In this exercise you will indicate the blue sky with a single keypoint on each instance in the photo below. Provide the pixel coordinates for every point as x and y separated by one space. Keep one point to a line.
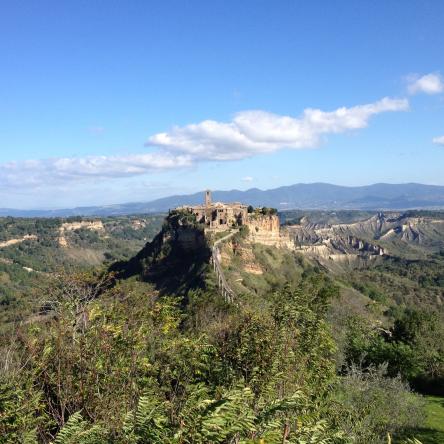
108 102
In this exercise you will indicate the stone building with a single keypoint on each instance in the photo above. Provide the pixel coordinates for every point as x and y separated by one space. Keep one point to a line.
218 216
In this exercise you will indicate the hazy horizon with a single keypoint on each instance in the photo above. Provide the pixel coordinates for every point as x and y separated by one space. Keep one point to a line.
197 191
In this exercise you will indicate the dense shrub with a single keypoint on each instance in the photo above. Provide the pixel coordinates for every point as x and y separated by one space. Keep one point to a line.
373 405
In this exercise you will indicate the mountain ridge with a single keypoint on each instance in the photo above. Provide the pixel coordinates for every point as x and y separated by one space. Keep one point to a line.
318 195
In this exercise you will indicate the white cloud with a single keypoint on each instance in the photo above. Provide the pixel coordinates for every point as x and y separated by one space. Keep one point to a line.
438 140
257 132
70 169
247 179
429 84
250 133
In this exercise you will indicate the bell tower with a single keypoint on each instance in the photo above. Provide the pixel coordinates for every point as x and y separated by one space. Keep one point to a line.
207 198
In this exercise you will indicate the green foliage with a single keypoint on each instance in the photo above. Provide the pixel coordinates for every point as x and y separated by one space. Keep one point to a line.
78 431
432 432
371 291
20 287
21 411
180 218
130 351
241 235
268 211
202 419
427 273
147 423
413 347
371 405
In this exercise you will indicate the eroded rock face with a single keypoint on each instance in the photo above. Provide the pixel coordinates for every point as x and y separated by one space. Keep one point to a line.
18 240
87 224
92 225
335 243
266 230
366 239
137 224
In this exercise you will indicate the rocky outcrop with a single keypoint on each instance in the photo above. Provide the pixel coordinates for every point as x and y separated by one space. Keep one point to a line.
379 235
138 224
19 240
364 246
186 239
266 230
93 225
335 243
96 225
175 261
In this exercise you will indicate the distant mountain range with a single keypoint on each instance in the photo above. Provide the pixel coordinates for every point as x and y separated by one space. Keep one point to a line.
323 196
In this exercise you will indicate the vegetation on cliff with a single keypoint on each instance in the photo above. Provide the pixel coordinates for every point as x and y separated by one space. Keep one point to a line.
175 261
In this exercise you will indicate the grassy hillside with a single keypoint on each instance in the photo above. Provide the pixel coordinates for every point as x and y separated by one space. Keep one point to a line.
433 432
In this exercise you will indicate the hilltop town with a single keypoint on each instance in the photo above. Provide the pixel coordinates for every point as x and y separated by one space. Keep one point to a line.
262 223
218 216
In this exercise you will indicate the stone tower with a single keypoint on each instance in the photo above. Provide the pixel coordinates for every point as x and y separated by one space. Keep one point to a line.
207 198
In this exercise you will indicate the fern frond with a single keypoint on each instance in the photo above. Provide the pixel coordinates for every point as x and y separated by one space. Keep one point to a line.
148 423
30 437
215 421
78 431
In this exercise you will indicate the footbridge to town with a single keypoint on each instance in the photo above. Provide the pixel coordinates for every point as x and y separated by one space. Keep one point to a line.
226 291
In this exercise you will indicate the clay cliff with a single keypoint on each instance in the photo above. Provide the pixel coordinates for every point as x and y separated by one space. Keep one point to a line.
266 230
380 235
